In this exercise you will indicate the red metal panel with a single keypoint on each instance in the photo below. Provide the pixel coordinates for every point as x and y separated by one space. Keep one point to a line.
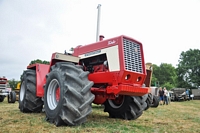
82 49
127 90
41 72
127 77
117 77
118 84
104 77
32 66
99 99
3 80
79 50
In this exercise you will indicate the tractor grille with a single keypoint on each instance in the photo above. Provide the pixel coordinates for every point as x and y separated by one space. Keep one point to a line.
2 86
132 56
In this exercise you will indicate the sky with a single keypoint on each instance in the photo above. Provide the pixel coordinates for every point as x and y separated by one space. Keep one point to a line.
34 29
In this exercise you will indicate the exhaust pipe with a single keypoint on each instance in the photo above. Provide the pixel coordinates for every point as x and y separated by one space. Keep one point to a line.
98 22
101 37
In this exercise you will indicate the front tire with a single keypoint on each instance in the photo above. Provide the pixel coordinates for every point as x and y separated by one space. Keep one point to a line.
28 101
68 98
125 107
155 102
12 97
149 101
2 98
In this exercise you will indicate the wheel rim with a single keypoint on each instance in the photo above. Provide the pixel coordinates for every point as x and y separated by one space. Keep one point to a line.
53 94
117 103
22 91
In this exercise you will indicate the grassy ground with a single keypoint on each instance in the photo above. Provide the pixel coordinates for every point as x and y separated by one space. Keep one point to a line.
178 117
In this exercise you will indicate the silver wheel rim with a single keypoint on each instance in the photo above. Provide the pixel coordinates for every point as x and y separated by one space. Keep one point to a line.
114 105
51 94
22 91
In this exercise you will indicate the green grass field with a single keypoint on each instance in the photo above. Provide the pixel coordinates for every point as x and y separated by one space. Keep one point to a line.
177 117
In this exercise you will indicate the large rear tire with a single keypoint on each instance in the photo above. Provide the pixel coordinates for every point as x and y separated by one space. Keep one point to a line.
28 101
125 107
68 99
2 98
12 97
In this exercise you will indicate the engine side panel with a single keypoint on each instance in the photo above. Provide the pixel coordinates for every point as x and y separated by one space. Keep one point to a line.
112 56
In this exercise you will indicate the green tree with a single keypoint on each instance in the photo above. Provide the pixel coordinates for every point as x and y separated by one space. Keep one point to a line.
39 61
165 75
188 69
71 49
13 83
154 79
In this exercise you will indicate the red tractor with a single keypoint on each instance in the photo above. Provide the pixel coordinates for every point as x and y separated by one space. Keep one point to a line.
109 72
5 90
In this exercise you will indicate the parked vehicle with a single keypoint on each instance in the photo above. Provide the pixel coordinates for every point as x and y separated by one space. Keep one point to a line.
179 94
153 99
156 99
105 72
5 90
109 72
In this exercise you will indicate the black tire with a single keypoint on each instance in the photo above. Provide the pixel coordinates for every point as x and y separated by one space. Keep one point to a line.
149 101
12 97
2 98
28 101
155 102
125 107
74 100
142 100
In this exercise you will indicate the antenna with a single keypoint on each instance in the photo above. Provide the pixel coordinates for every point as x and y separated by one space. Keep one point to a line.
98 22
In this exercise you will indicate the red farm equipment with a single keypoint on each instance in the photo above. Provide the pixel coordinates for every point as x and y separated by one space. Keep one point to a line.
5 90
109 72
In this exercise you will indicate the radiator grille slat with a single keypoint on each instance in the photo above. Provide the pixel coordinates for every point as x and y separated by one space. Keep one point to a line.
132 56
3 86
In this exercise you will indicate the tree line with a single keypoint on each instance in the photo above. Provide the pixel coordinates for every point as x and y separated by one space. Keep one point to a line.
185 75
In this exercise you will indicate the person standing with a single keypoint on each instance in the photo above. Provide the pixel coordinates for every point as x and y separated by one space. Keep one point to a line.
169 98
165 96
187 94
161 94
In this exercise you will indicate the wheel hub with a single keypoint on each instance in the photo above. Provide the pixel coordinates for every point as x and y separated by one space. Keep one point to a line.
53 94
117 103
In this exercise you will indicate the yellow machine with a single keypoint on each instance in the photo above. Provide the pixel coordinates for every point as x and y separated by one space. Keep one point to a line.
17 91
149 69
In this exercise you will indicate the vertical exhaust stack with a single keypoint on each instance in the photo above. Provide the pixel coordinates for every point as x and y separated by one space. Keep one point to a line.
98 22
101 37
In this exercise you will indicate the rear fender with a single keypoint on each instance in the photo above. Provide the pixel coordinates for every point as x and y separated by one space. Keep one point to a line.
41 72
